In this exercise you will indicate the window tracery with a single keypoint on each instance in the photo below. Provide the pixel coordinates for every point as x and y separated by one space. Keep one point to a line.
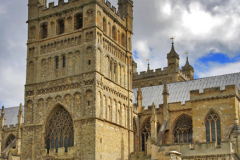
59 130
9 140
183 130
213 128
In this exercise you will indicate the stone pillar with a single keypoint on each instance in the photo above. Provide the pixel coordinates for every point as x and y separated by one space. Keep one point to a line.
139 99
165 102
19 134
154 124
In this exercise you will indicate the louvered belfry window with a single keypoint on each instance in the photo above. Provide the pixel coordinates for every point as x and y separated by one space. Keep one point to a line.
213 128
59 130
183 130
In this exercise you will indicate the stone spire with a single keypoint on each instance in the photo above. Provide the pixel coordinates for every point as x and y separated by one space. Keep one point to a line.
172 53
2 117
187 65
153 122
148 69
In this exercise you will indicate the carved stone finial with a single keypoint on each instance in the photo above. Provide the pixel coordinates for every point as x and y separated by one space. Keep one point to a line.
2 109
165 89
139 94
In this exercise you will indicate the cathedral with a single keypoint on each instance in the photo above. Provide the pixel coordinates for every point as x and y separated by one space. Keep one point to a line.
85 100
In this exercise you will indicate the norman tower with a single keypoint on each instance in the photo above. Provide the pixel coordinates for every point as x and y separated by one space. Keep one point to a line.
78 92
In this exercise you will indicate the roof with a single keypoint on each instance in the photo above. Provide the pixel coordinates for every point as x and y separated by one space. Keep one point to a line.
180 91
11 115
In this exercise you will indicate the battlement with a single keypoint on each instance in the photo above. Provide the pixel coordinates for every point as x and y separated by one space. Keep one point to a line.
9 127
63 7
122 1
215 92
150 73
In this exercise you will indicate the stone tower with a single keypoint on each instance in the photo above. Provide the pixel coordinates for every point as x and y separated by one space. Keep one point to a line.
188 70
173 64
78 92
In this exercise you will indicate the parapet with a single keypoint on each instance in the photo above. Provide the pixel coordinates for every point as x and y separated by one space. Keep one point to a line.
73 4
150 73
214 92
9 127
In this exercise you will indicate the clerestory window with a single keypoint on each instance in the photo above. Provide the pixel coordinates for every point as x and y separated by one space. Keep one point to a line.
59 130
213 128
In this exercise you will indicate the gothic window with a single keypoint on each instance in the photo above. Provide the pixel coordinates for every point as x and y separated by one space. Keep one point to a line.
59 130
10 139
145 134
104 25
61 26
213 128
57 60
183 130
64 61
44 30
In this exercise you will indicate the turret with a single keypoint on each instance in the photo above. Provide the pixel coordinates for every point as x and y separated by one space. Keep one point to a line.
173 60
2 117
188 70
125 7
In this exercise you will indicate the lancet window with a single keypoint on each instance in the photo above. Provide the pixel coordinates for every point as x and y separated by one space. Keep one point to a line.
213 128
145 134
64 61
44 30
57 61
59 130
61 26
183 130
79 21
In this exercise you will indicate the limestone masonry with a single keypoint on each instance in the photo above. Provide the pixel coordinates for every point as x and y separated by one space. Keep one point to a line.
84 99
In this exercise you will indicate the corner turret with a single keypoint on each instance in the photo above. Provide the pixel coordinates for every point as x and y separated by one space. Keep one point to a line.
173 63
125 7
188 70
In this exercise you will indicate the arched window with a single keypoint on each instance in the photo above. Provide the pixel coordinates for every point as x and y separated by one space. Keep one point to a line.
114 33
56 62
44 30
109 29
146 133
9 140
79 21
64 61
123 40
213 128
183 130
61 26
59 130
104 25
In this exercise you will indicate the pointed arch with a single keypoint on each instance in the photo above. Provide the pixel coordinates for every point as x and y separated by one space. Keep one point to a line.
9 140
213 127
59 130
182 130
114 32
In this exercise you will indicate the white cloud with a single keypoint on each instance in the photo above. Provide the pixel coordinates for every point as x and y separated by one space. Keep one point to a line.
142 48
219 69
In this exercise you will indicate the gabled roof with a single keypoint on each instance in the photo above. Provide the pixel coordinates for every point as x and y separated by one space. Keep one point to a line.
180 91
11 115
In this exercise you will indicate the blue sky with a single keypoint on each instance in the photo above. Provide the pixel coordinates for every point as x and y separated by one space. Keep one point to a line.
207 30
